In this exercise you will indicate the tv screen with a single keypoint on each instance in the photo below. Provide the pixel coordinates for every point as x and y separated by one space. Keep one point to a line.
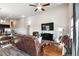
47 36
7 31
47 26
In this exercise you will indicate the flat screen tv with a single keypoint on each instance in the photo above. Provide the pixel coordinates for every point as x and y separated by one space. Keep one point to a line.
47 36
7 31
47 26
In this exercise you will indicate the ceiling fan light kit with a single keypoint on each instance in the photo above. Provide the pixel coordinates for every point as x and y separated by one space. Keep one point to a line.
39 6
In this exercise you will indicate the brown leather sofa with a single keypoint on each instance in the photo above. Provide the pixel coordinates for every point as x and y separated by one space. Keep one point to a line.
28 44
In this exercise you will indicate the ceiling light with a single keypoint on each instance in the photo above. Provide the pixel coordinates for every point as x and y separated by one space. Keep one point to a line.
39 6
7 17
2 21
60 29
23 16
29 22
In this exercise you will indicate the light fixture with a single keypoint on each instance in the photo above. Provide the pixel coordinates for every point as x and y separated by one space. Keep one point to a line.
60 29
39 6
29 22
2 21
23 16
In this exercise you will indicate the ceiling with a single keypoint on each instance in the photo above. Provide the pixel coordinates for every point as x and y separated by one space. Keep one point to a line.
17 10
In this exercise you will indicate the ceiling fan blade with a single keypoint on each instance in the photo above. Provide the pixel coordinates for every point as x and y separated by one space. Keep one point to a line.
42 9
35 9
32 5
46 4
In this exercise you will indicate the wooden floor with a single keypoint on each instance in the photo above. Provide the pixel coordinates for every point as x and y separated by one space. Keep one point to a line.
12 51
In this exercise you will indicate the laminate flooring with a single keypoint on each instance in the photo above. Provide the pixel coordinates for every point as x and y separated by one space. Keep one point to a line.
12 51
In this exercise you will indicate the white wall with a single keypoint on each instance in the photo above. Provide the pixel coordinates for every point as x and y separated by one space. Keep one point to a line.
58 15
20 26
70 16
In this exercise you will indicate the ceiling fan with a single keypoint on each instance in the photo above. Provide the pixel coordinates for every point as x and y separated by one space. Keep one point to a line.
39 6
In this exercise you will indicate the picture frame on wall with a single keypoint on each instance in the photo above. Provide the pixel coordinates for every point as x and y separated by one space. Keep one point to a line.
47 26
